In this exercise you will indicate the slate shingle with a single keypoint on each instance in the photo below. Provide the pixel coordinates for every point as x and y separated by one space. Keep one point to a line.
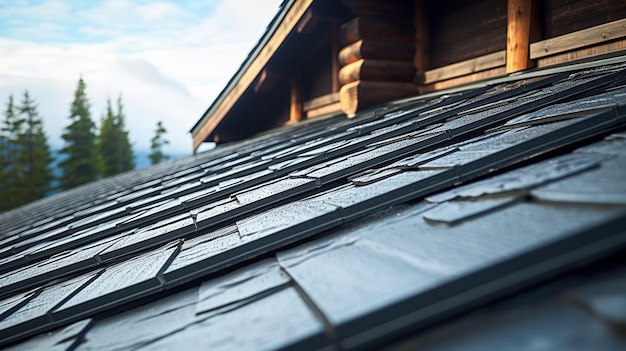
507 204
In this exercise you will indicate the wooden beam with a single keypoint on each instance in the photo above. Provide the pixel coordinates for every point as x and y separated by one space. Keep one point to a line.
378 29
320 101
377 70
358 95
324 110
307 22
497 59
371 49
467 79
285 27
580 39
518 35
295 107
260 81
421 59
615 46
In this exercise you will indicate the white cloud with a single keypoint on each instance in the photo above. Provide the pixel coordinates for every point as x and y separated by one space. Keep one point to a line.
168 60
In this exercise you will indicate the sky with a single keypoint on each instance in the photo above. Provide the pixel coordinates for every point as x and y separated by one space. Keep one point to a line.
168 59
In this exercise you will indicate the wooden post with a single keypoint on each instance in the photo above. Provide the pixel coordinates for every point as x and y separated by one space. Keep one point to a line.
295 110
518 35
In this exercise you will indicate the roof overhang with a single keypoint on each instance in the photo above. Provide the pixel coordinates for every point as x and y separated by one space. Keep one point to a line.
287 18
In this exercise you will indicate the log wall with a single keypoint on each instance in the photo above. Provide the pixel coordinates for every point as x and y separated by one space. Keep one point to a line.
376 54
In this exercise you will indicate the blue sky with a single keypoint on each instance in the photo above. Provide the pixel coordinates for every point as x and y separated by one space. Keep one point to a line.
168 59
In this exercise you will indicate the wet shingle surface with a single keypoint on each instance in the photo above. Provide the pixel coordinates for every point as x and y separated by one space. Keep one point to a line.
340 234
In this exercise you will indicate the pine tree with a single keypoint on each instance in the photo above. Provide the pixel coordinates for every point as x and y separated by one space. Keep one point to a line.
81 164
34 156
157 144
11 169
115 150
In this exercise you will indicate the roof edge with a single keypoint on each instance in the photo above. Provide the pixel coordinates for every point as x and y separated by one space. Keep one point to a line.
289 14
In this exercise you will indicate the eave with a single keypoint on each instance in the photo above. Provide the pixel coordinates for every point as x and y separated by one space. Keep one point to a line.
284 23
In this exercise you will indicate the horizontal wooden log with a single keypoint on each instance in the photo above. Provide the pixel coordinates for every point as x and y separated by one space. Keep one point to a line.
377 70
399 9
377 50
463 68
359 95
377 29
586 37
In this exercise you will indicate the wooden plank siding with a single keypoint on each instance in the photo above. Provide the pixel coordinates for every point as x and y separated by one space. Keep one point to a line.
466 30
566 16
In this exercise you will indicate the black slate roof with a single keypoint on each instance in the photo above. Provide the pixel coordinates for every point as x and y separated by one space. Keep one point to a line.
428 222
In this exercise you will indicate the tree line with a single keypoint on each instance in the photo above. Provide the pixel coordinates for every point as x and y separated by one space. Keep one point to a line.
88 154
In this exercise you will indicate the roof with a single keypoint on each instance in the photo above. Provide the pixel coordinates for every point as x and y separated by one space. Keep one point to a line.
440 215
286 18
267 34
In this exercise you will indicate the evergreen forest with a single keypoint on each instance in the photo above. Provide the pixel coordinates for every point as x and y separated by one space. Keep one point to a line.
89 152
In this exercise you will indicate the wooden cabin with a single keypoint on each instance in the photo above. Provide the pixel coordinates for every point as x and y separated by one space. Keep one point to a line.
327 57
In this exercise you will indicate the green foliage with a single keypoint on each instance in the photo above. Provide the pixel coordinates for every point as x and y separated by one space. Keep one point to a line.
34 155
157 144
116 154
11 129
25 173
81 163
